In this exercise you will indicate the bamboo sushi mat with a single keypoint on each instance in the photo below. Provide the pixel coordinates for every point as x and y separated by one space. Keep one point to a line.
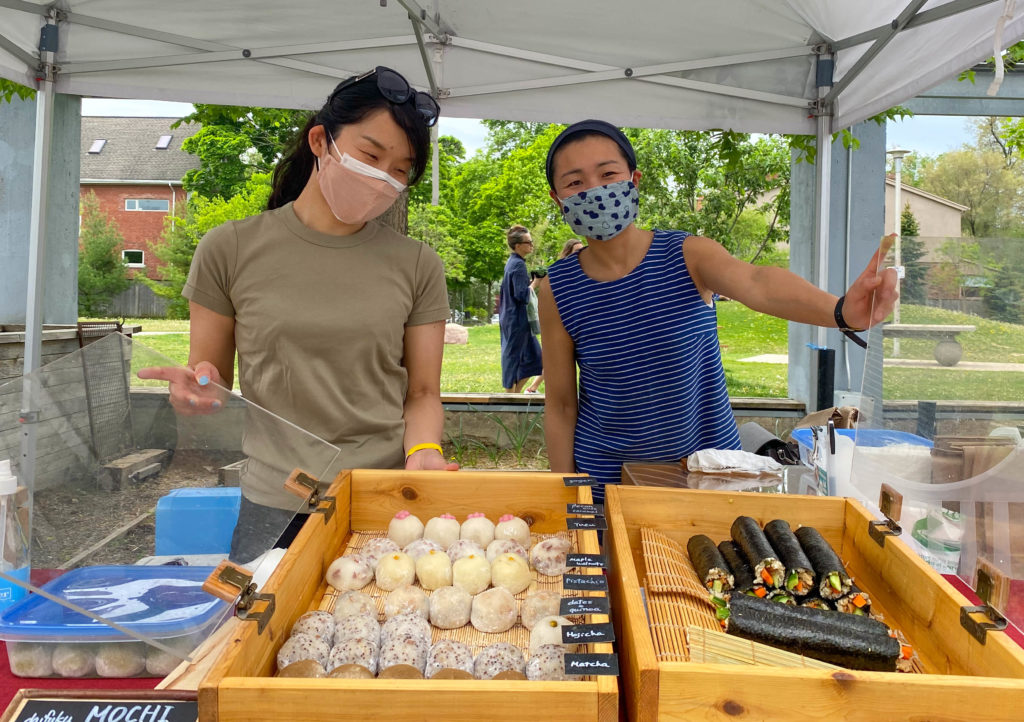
682 618
467 634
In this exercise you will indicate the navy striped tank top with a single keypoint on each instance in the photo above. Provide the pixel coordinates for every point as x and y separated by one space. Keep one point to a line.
651 383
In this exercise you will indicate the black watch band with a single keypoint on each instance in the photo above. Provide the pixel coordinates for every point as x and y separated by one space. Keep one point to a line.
844 327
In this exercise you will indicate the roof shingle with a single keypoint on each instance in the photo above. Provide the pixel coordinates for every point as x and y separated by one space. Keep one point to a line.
130 151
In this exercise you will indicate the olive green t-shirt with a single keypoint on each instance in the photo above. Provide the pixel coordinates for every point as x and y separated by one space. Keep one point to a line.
319 329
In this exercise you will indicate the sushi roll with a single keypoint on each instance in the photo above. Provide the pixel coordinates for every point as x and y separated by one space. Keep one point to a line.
833 581
782 596
816 602
856 601
829 636
742 572
747 534
799 572
710 565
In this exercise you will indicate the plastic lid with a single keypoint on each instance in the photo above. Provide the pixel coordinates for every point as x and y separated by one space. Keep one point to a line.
156 601
8 481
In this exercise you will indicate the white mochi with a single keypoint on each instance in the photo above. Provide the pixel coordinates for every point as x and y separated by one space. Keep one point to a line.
349 573
443 530
434 569
395 570
494 611
472 573
450 607
514 528
405 528
511 572
539 604
478 528
463 548
548 556
549 631
419 547
353 603
406 600
498 547
376 549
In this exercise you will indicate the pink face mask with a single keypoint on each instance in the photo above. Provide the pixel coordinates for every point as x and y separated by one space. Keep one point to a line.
355 192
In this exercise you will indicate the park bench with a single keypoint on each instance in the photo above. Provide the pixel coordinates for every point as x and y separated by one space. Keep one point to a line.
948 350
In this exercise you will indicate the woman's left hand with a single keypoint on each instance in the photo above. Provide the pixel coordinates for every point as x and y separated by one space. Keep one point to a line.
429 460
872 296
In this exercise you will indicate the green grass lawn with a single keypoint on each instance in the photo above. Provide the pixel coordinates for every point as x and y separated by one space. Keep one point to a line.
743 333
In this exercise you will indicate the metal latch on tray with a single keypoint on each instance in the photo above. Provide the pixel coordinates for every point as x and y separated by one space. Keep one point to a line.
233 583
989 580
307 487
890 502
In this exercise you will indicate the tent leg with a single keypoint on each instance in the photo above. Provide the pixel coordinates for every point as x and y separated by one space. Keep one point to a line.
822 199
37 257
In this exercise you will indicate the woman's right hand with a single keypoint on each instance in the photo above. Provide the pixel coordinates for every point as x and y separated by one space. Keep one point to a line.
193 391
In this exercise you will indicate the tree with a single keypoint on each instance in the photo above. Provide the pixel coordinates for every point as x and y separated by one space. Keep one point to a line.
1003 299
8 89
913 287
101 272
235 143
180 238
981 181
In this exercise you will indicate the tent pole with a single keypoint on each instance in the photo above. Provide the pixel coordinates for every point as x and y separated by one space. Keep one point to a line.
37 250
823 177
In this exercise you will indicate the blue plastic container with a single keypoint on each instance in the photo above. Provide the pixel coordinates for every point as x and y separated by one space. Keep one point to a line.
165 603
863 437
197 521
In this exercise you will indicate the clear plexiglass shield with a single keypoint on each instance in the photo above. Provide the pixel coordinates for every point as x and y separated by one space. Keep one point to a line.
130 496
942 413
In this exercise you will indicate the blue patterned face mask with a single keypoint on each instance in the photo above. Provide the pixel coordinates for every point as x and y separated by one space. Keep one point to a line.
603 212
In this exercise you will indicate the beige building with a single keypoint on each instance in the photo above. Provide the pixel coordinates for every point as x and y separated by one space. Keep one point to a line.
936 217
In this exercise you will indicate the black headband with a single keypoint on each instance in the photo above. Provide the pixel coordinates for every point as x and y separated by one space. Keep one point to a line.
593 126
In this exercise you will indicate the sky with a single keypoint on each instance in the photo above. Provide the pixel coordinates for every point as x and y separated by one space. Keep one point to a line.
923 134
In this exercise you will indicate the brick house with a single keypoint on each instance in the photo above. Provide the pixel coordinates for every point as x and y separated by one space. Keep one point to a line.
135 167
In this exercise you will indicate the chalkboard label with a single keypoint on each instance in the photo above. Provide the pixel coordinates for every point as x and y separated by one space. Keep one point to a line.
586 560
588 633
141 710
590 582
579 480
584 664
569 606
595 509
594 522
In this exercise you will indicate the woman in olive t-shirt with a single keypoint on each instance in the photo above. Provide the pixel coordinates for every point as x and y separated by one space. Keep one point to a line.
338 321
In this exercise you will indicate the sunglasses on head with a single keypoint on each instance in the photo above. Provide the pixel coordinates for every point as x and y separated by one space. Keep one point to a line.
396 88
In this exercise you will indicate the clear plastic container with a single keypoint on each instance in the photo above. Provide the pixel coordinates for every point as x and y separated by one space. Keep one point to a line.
165 604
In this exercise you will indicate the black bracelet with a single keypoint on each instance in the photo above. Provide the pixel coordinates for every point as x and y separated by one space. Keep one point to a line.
844 327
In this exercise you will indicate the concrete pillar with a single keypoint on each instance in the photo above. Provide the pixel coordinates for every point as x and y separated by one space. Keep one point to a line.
17 128
857 217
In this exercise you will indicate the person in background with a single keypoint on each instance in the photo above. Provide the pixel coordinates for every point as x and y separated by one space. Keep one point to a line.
573 245
337 320
520 352
636 314
533 315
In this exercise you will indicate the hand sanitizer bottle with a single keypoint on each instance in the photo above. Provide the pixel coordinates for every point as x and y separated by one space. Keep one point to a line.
14 549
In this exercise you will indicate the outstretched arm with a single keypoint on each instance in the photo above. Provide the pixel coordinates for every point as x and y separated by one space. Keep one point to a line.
782 293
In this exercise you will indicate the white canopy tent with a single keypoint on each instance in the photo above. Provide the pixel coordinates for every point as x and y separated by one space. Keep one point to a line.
786 66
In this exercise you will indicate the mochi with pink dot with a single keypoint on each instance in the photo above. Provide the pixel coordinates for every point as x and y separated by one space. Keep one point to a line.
512 527
444 530
405 528
478 528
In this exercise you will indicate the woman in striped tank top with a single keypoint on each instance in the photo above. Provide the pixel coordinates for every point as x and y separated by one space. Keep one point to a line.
634 311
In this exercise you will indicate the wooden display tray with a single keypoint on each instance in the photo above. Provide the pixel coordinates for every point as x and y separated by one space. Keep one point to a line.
240 688
963 680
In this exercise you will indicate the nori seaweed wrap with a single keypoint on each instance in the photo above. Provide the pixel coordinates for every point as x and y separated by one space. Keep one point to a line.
747 534
782 596
815 601
829 636
833 581
799 571
711 567
742 573
856 601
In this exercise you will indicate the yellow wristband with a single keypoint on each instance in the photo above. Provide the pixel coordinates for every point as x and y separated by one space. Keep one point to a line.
420 447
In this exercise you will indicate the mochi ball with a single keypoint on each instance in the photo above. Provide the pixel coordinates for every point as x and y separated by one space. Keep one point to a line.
472 573
494 611
478 528
407 600
349 573
549 631
30 660
511 572
444 530
499 547
547 663
548 556
450 607
353 603
121 659
79 660
376 549
420 547
353 651
315 624
394 571
514 528
449 654
434 569
404 528
405 624
305 668
497 658
539 604
463 548
408 649
359 626
295 649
